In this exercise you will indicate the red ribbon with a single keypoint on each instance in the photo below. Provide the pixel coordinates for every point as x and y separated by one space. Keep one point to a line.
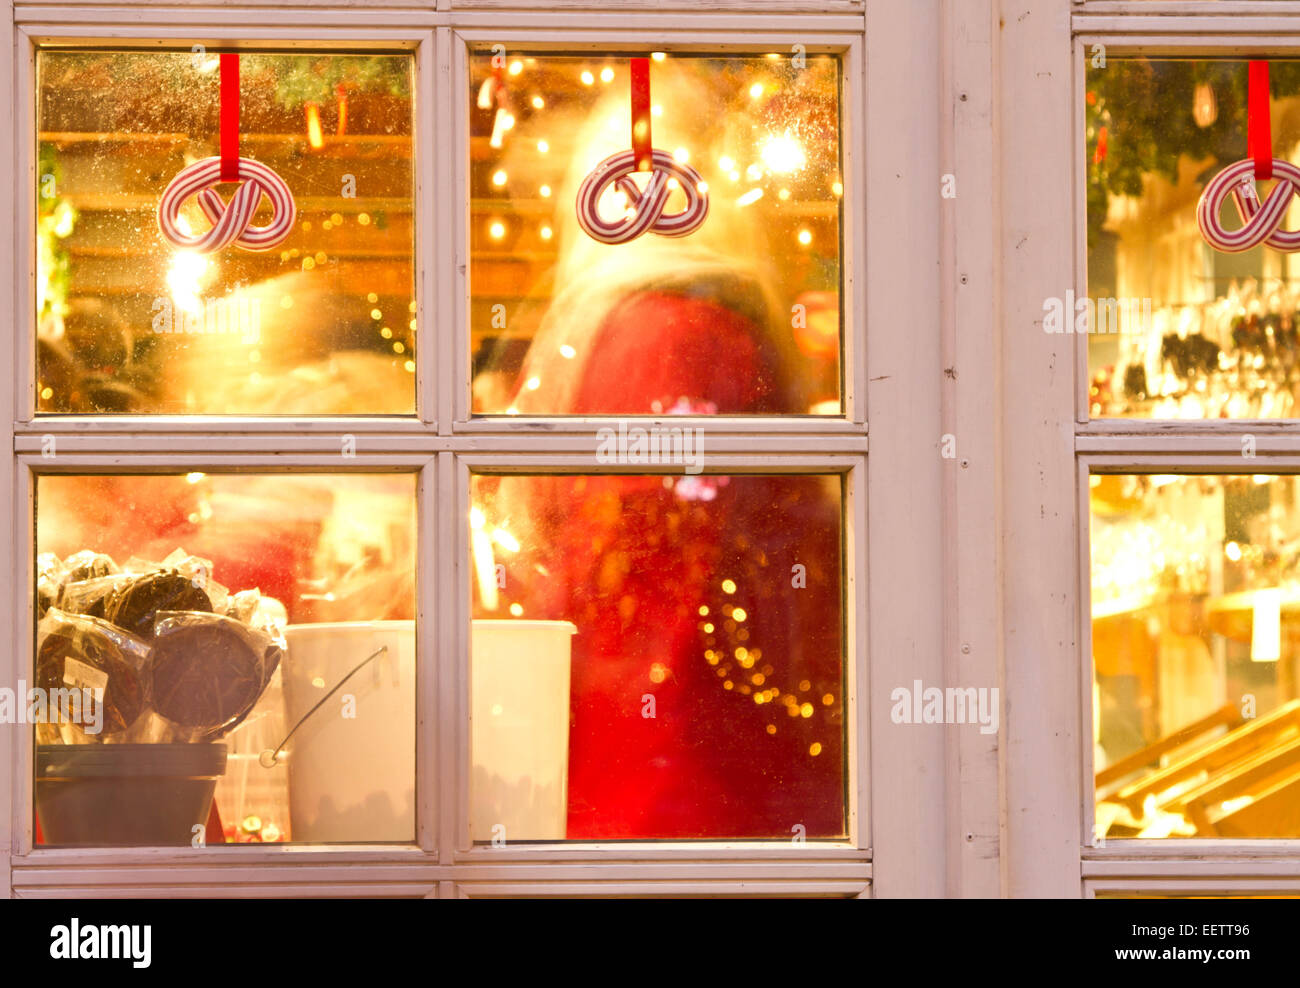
230 118
641 114
1259 131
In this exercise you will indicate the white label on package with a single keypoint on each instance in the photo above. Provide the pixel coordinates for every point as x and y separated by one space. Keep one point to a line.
83 677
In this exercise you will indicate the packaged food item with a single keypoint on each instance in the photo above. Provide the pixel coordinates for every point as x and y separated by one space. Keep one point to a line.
49 579
207 672
134 606
78 652
89 596
88 565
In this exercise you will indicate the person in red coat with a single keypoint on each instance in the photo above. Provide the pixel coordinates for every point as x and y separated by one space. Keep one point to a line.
707 684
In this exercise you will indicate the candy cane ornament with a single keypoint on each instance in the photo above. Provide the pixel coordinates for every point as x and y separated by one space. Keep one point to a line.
647 204
232 223
1260 222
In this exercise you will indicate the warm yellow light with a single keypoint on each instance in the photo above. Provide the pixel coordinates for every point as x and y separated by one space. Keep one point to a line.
1232 551
497 230
658 673
827 700
656 110
499 177
504 539
753 173
704 610
372 298
533 383
752 196
476 519
658 56
726 164
783 193
516 68
734 175
516 610
538 102
545 191
815 749
756 90
194 478
838 188
606 74
569 353
739 614
547 233
376 314
682 154
805 237
805 710
708 629
543 147
728 586
587 78
386 333
783 154
314 136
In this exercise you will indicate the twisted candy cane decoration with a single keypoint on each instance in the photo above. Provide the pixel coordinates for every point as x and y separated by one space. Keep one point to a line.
231 223
648 206
1260 222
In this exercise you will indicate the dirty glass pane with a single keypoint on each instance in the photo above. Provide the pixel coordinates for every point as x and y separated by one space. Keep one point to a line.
323 323
740 316
1196 651
657 657
215 612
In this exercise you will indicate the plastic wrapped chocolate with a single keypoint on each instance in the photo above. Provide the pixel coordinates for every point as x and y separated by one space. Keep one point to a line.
88 565
77 652
207 672
134 606
90 596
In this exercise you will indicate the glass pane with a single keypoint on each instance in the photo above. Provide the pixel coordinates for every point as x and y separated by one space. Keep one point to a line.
740 316
1196 651
323 323
1179 329
213 613
657 657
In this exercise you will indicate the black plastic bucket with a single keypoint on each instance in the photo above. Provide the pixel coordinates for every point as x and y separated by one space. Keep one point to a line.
126 794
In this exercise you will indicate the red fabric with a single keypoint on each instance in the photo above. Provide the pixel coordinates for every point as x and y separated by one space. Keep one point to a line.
641 143
230 117
1259 126
630 561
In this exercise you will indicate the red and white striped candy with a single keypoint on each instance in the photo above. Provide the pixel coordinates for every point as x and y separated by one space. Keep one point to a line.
1260 222
232 223
648 215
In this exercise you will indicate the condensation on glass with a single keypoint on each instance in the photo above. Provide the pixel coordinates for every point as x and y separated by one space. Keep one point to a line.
1196 651
741 316
1177 329
214 612
322 324
657 657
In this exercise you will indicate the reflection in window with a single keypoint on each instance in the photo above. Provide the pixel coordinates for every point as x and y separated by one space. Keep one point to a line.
1180 330
740 316
215 612
1196 650
322 324
657 657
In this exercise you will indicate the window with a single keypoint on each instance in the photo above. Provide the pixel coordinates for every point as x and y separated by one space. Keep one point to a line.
1183 353
303 533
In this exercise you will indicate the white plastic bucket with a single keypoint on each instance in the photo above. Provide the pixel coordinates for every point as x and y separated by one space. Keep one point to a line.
351 779
519 730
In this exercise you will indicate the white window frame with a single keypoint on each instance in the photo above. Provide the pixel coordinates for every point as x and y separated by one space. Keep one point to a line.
917 825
